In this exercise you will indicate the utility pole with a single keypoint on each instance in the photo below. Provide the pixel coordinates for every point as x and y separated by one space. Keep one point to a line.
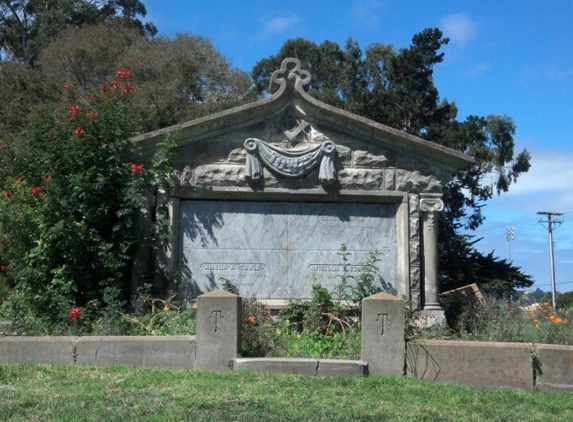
550 223
510 236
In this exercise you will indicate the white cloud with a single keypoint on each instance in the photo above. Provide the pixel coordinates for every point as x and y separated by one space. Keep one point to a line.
478 70
367 13
459 28
280 24
550 172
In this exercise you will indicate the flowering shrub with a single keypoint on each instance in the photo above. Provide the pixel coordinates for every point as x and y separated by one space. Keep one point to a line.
75 314
67 225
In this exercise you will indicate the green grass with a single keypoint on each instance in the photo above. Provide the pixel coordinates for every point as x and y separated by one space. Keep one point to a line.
34 392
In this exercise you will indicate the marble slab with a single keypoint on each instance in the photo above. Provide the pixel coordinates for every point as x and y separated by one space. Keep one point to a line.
278 250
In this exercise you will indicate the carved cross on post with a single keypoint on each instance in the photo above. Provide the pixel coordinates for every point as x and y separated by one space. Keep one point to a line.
215 316
382 320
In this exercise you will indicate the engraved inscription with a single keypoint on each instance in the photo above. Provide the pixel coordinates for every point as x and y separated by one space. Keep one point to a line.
278 250
382 320
332 272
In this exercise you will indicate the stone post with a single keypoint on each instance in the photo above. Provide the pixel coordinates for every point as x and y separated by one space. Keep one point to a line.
430 207
383 334
218 329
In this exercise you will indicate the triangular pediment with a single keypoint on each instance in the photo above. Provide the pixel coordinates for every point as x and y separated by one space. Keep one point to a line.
290 122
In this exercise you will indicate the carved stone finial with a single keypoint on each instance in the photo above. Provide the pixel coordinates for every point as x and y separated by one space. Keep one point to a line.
290 74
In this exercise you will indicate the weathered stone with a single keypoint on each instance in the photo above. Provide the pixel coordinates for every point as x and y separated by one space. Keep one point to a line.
37 349
219 175
344 155
414 181
237 155
165 352
555 371
218 330
265 248
415 253
365 179
303 366
369 160
498 365
373 163
390 179
383 334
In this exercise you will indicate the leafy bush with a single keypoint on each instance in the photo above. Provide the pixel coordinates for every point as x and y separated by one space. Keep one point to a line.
67 220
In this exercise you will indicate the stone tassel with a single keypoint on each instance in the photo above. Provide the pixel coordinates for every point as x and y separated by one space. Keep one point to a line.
327 174
253 168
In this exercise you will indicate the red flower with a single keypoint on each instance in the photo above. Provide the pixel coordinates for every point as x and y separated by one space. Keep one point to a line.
66 87
35 191
6 193
92 115
127 89
75 314
137 170
74 110
79 131
104 87
3 268
116 83
2 146
18 179
123 74
46 178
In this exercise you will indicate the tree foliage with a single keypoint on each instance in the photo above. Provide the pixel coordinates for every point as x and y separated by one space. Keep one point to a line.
178 79
396 88
26 26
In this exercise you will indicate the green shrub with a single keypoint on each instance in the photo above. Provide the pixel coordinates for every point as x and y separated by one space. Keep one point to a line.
67 212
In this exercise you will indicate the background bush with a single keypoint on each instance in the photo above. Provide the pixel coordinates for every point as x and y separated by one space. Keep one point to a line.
67 221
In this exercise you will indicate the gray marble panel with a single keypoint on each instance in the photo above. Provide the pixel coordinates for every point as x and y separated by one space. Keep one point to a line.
273 250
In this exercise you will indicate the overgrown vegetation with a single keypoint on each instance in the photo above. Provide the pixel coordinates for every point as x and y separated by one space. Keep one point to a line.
68 224
498 320
326 326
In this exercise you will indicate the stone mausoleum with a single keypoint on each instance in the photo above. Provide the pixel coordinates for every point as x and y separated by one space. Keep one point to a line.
268 194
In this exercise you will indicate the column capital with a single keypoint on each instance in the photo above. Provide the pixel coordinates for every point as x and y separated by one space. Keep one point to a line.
431 204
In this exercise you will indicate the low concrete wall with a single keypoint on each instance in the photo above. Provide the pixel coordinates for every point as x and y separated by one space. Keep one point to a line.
498 365
37 349
501 365
312 367
555 368
162 352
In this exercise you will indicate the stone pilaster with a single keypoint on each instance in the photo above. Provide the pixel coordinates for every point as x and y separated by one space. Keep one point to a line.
430 206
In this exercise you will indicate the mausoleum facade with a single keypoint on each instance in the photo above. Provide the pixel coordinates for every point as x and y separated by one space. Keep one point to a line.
287 192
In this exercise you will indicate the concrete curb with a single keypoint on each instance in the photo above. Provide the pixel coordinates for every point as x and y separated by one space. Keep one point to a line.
303 366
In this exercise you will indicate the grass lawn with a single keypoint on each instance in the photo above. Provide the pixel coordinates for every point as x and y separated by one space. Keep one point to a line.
34 392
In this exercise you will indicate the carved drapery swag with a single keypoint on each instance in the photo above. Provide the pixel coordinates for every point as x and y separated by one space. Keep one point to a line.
289 163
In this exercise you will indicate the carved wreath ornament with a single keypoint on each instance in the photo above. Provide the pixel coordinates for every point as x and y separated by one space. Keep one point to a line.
289 163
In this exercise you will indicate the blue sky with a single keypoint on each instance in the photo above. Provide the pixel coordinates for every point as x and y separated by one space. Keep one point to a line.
504 57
